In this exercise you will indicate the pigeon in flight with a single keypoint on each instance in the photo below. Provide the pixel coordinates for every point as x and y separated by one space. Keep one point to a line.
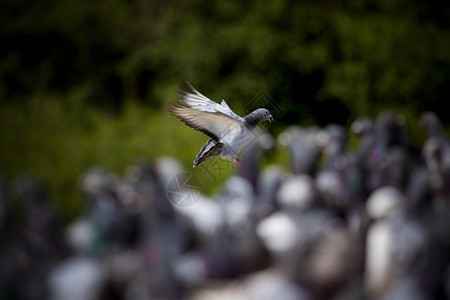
229 133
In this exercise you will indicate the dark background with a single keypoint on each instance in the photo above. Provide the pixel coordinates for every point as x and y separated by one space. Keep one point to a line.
87 83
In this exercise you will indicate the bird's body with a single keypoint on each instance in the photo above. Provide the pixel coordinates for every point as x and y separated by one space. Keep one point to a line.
229 133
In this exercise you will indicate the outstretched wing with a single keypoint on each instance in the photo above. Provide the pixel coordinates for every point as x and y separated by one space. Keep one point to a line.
214 124
224 104
200 102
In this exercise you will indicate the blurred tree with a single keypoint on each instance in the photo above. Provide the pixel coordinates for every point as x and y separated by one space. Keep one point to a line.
320 61
351 56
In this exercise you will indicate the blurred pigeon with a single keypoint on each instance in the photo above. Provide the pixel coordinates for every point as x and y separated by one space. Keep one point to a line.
363 127
305 146
334 263
429 122
105 222
394 168
436 152
336 141
420 258
332 190
205 216
251 158
265 285
269 183
229 133
384 206
279 233
419 192
149 180
385 202
331 180
389 134
391 129
35 246
78 278
237 200
203 213
43 227
167 168
297 193
357 172
290 236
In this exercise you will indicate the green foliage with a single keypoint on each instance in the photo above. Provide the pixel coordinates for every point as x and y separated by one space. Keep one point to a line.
85 83
348 54
57 140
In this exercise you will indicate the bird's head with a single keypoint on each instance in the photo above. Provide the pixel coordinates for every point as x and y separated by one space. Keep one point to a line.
258 115
264 114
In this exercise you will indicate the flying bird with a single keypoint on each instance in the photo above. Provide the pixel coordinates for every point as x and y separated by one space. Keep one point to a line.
229 133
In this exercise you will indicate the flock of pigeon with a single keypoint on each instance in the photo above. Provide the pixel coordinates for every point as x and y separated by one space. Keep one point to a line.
369 223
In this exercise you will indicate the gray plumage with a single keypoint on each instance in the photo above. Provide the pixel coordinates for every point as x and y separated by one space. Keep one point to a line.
305 147
229 133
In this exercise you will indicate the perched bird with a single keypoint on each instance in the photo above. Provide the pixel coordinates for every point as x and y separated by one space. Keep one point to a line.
393 153
229 133
305 147
384 206
251 157
429 121
436 152
335 147
77 278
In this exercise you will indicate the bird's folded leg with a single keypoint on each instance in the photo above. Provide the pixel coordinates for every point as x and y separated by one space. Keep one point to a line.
236 163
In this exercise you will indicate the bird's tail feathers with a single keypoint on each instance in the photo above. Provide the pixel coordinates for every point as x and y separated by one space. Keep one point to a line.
210 149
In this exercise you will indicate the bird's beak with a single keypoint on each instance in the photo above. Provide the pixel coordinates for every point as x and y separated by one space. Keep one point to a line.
270 118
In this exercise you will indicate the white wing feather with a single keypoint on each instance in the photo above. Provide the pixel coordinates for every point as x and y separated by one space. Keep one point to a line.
200 102
216 125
